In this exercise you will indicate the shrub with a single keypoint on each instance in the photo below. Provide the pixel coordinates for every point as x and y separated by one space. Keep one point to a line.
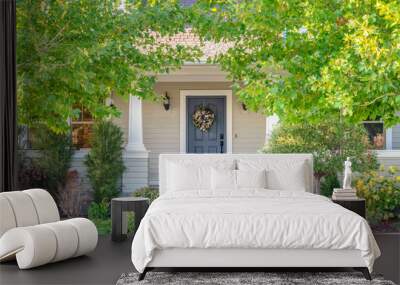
104 161
147 192
99 210
330 143
328 183
99 214
47 166
30 174
381 192
54 158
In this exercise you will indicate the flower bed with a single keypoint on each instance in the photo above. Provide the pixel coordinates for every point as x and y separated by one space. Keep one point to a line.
381 191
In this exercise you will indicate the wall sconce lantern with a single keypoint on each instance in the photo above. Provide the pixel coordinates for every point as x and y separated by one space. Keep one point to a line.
166 101
244 107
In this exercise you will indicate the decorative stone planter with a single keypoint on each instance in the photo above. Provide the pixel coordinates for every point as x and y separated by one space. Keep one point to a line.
388 263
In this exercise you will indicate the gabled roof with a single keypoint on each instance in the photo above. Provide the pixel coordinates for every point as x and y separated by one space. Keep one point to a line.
190 39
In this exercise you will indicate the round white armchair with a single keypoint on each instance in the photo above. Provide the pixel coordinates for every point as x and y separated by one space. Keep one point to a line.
31 230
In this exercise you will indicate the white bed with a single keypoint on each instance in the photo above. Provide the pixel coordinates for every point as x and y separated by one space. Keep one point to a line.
198 222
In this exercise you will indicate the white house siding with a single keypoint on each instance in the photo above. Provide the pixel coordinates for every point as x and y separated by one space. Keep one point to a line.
161 128
389 158
249 129
136 174
396 137
78 164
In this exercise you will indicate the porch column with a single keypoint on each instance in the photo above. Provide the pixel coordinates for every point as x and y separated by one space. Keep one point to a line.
271 122
135 131
136 157
389 139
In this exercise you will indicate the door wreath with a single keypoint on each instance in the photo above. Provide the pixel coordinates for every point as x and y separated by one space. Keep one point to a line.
203 118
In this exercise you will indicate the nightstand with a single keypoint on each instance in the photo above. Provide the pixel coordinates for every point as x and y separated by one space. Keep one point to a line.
356 205
119 207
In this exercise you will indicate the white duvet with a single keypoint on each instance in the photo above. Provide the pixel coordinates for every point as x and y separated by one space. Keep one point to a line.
250 219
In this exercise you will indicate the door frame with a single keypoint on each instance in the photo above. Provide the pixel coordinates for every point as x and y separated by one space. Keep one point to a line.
206 93
223 119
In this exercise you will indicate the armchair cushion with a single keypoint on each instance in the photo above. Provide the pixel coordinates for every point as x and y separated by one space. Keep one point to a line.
22 207
7 220
31 232
46 208
37 245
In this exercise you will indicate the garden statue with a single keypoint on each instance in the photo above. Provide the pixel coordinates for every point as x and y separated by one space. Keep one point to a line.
347 174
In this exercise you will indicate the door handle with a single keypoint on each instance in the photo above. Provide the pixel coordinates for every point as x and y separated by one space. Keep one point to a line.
221 143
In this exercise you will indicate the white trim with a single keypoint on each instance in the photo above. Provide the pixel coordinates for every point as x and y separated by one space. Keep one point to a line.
135 129
195 73
182 115
135 154
389 138
388 153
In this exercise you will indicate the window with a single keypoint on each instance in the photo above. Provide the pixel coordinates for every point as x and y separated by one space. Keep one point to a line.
376 134
82 129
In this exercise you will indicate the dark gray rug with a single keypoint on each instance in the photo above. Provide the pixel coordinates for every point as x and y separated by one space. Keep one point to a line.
236 278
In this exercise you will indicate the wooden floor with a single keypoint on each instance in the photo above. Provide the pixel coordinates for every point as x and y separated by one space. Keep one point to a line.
103 266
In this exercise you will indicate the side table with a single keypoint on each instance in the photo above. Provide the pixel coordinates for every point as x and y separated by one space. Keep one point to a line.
356 205
119 208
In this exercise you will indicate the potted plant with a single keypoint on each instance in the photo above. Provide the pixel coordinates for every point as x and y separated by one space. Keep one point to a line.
381 191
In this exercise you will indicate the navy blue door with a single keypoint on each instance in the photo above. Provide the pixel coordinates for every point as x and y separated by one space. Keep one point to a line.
214 140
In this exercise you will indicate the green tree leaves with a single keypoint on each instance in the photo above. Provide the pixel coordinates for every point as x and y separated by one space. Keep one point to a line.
327 57
294 58
78 52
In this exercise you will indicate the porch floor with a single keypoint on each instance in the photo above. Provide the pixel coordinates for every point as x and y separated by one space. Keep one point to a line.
103 266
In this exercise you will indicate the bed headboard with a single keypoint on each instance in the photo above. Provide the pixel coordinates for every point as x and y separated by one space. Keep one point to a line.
165 159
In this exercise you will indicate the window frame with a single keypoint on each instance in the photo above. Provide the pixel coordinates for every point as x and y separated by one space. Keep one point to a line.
384 133
80 121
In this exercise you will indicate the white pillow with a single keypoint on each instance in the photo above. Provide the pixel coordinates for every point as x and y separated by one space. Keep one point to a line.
183 178
282 173
251 178
293 180
223 179
194 174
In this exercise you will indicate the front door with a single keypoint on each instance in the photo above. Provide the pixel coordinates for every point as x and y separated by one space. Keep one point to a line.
206 140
